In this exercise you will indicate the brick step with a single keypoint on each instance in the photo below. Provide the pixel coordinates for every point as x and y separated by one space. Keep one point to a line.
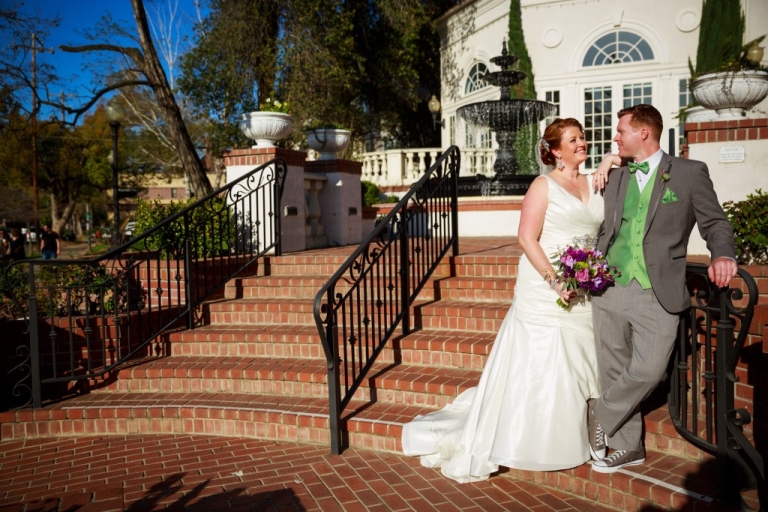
436 348
388 382
439 348
459 315
299 341
307 287
259 312
322 266
463 266
665 481
427 314
477 289
485 265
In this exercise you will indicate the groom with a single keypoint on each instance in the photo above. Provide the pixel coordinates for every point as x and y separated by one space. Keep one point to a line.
651 206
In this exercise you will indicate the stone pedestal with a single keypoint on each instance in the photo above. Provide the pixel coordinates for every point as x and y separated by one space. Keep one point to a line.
292 205
340 200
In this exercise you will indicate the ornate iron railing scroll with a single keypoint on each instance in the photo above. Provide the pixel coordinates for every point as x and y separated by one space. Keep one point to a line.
359 308
701 396
85 318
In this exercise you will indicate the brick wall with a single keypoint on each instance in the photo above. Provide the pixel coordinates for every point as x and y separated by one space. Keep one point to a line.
724 131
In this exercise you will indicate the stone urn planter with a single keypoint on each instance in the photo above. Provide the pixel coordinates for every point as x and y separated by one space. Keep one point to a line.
731 93
266 128
699 114
328 141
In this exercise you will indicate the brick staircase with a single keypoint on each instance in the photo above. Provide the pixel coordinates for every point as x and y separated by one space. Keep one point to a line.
257 369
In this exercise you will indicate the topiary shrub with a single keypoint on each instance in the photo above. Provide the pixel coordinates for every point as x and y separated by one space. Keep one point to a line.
749 219
370 193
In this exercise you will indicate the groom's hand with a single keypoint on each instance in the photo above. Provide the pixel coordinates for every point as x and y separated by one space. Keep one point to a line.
722 270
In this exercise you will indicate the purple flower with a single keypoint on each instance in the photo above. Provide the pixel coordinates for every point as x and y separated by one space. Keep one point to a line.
584 269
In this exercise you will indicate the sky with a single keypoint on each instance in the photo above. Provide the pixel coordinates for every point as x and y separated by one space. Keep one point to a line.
79 15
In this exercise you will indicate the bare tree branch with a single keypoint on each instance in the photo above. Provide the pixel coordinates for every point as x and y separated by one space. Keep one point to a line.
96 96
134 53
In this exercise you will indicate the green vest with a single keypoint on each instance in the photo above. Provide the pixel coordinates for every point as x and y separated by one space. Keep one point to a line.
626 253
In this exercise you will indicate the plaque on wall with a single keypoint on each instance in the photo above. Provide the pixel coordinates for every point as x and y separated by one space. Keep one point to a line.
731 154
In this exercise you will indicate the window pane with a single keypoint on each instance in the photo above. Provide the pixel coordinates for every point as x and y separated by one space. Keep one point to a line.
475 78
616 47
628 37
597 100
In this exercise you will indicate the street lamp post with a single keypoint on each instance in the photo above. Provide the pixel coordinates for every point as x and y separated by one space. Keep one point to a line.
434 109
115 116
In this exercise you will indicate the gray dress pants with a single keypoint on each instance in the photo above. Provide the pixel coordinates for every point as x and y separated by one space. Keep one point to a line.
635 337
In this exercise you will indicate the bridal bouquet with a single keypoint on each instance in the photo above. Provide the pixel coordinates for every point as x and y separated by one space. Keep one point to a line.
583 270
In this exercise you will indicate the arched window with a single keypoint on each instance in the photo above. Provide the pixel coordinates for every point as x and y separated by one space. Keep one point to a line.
475 80
618 47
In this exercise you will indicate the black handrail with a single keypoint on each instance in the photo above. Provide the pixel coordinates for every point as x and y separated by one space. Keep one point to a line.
359 308
100 313
703 379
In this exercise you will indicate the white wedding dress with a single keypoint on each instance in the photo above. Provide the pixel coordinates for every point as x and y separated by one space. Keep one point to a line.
529 410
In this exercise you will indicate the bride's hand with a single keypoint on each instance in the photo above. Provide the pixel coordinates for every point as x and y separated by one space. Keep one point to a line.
565 295
600 176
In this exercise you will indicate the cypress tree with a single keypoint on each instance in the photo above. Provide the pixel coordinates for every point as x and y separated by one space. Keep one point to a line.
529 134
721 35
516 46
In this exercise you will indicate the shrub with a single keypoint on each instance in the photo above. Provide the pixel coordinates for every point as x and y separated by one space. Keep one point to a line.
211 225
749 219
64 290
13 286
68 235
370 193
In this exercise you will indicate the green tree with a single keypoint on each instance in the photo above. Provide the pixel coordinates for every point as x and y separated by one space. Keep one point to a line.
231 68
721 36
367 65
529 134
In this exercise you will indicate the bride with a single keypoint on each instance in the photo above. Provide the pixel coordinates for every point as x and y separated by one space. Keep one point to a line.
529 410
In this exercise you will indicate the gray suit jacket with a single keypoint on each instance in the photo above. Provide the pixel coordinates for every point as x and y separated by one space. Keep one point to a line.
669 226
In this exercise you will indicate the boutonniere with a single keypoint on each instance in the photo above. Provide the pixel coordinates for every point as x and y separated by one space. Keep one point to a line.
663 177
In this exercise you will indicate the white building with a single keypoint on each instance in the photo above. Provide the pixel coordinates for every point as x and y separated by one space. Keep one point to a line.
590 57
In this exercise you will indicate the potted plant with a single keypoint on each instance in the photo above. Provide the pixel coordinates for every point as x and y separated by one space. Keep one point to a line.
328 139
728 77
272 122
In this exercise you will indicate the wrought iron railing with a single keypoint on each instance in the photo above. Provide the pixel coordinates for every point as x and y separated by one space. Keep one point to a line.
360 307
86 318
701 397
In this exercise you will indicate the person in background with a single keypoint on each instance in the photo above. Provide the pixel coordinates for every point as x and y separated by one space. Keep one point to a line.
16 250
50 243
5 245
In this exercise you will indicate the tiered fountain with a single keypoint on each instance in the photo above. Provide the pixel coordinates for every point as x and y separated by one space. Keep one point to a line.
505 117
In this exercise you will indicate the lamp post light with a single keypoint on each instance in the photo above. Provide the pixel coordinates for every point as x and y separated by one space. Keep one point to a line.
115 116
434 108
755 52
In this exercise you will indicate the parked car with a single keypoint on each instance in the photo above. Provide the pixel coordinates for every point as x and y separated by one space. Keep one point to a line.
32 237
130 229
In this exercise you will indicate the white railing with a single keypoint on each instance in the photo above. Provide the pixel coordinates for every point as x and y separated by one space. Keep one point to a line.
397 167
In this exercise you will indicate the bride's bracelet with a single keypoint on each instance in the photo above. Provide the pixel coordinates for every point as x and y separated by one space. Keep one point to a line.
549 277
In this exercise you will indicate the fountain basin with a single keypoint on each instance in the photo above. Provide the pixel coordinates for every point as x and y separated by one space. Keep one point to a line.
506 114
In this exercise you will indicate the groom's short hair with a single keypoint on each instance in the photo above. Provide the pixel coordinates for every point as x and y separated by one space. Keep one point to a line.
646 115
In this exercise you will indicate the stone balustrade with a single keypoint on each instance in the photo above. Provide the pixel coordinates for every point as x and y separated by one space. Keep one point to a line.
399 167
